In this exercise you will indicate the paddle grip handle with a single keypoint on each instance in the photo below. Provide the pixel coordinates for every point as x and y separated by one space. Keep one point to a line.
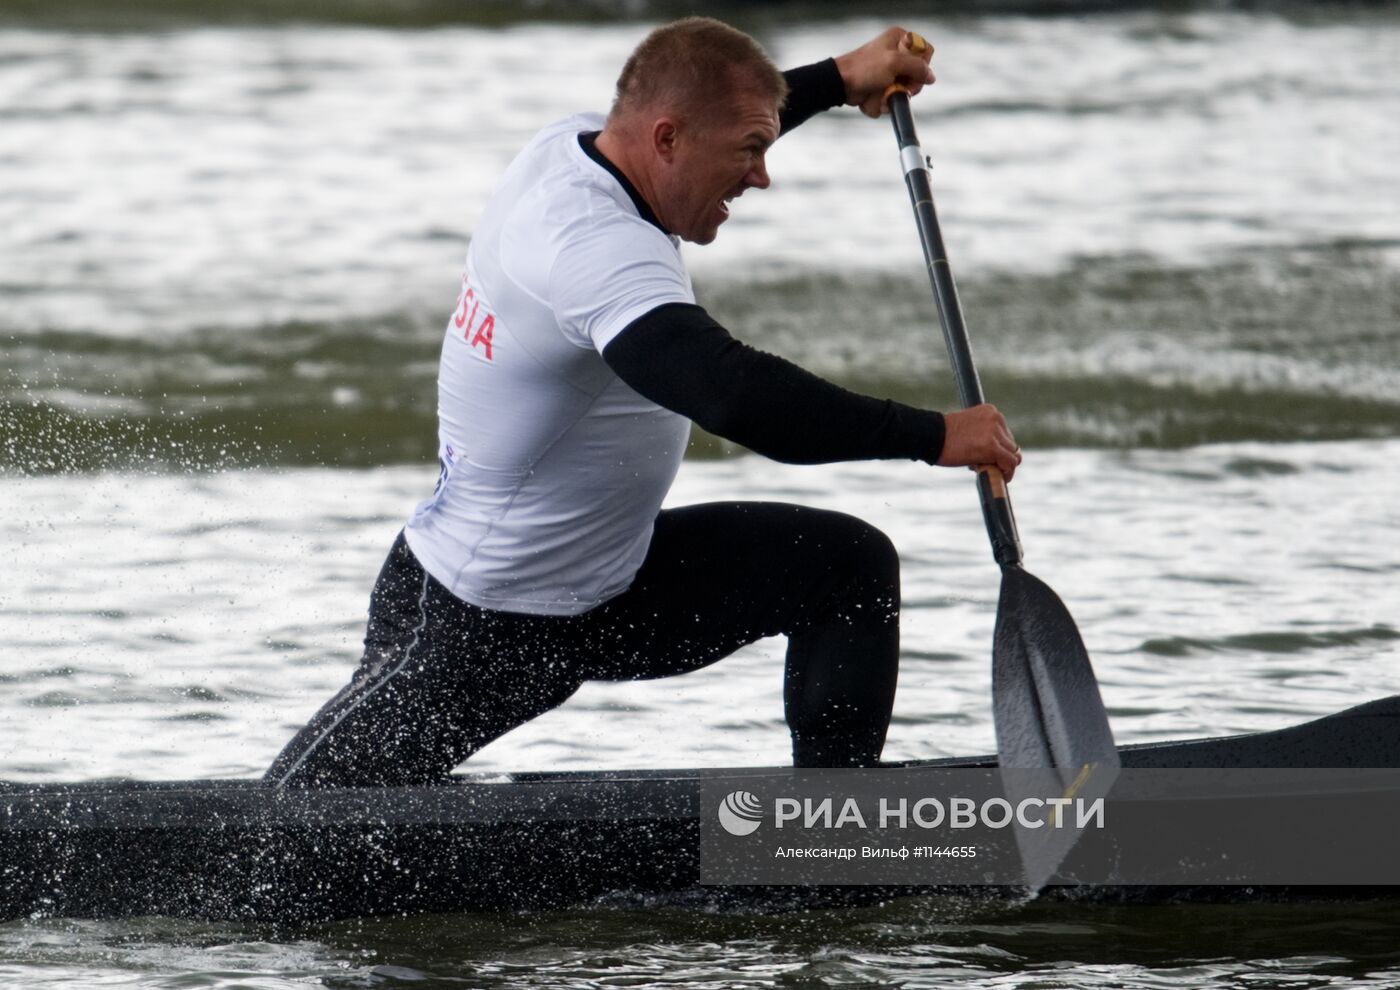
996 502
916 45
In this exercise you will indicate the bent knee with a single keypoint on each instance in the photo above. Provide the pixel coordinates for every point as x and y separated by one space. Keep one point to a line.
865 549
860 568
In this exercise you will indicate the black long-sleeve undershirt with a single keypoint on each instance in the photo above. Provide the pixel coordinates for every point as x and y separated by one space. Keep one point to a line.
680 358
811 89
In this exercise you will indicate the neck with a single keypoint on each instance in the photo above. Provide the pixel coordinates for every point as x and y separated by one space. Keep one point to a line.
617 147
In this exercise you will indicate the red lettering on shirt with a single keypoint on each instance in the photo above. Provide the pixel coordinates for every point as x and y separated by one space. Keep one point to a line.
467 295
478 336
470 319
484 332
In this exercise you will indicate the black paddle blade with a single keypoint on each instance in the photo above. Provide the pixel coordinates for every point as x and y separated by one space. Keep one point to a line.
1052 730
1048 709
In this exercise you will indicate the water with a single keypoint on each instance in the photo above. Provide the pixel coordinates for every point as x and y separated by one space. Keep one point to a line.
228 241
917 944
1221 589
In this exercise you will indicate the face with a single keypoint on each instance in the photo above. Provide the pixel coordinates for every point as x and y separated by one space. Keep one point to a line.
710 164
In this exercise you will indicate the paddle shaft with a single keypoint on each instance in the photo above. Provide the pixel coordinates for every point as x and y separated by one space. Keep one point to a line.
991 486
1045 701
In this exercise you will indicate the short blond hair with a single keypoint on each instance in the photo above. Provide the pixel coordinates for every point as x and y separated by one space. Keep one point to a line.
694 66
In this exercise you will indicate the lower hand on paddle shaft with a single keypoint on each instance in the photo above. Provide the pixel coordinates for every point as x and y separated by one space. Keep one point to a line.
978 437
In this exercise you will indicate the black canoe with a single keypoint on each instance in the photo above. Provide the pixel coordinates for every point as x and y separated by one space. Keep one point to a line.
237 849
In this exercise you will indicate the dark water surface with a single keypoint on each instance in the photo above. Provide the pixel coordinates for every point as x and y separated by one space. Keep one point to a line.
916 943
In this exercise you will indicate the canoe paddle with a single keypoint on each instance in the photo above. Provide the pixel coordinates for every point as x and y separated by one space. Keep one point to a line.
1053 738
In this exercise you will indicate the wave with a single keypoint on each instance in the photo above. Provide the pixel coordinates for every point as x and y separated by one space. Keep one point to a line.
1120 353
141 14
1270 642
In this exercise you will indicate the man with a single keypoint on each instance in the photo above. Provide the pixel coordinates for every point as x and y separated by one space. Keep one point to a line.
571 371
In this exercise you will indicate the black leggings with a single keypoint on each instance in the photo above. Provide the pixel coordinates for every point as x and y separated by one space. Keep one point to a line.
441 678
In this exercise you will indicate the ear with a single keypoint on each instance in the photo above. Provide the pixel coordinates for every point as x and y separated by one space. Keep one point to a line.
664 133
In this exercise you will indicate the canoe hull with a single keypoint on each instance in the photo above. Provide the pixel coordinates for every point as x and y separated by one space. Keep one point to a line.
240 850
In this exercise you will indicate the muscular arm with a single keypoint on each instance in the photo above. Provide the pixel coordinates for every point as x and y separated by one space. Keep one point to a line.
680 358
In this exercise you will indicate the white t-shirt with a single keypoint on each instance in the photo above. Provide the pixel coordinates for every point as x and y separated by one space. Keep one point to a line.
552 469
